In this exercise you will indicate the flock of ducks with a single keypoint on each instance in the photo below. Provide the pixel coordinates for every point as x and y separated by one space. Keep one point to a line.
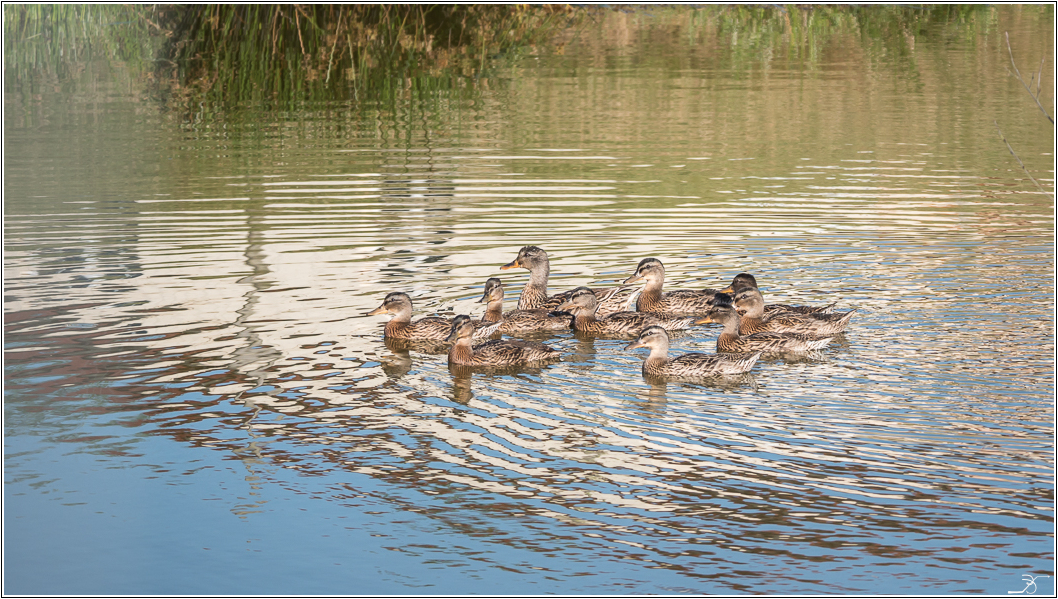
750 327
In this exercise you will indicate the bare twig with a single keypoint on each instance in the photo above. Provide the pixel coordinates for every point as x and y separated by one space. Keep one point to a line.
298 22
1001 136
1022 80
337 34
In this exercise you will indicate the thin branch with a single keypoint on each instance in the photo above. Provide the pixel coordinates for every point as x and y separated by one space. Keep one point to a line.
337 34
1022 80
1001 136
1039 79
297 20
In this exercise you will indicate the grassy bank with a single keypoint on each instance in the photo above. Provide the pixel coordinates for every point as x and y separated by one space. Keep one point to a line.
261 53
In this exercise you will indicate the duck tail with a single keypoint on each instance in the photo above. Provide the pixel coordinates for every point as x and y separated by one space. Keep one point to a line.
846 317
747 363
819 343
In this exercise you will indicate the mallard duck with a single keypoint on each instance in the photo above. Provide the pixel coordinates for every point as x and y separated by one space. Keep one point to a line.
659 364
750 306
584 306
684 301
534 294
520 321
431 328
743 281
506 352
731 341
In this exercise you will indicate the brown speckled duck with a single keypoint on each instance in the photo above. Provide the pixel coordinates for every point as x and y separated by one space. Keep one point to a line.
520 321
731 341
684 301
584 306
431 328
534 294
506 352
744 281
750 306
658 363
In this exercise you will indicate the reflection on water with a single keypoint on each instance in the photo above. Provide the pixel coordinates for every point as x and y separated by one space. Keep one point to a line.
205 305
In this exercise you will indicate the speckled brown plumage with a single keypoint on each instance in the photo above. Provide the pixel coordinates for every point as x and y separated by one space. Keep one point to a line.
534 294
681 302
431 328
744 281
584 306
750 306
731 341
520 321
659 364
506 352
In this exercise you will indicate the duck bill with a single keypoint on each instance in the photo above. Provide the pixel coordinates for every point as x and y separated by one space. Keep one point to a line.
565 306
705 320
378 310
634 345
728 289
453 335
633 279
510 265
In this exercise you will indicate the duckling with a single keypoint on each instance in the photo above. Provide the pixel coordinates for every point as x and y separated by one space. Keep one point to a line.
431 328
743 281
534 294
507 352
750 306
730 340
684 301
520 321
659 364
584 306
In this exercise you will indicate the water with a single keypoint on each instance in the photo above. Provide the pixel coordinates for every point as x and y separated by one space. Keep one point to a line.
195 403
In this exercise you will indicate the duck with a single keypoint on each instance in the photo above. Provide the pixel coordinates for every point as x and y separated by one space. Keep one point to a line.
750 306
744 280
430 328
520 321
534 294
584 306
505 352
658 363
683 302
730 340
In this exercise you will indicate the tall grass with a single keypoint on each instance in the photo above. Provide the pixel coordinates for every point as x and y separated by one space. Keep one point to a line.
252 53
237 53
59 39
280 55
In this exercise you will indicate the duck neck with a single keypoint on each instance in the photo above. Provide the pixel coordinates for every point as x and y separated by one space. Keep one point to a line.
535 292
462 351
584 321
753 320
400 321
650 298
494 311
658 356
730 332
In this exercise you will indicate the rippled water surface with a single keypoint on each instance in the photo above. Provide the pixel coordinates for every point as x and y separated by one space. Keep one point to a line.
196 403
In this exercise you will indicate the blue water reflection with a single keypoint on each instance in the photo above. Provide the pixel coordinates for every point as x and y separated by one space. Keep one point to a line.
195 403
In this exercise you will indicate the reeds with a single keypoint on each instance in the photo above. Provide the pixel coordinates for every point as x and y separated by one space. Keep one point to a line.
238 53
59 39
254 53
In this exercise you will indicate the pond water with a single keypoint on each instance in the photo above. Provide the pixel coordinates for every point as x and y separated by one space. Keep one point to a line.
195 401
